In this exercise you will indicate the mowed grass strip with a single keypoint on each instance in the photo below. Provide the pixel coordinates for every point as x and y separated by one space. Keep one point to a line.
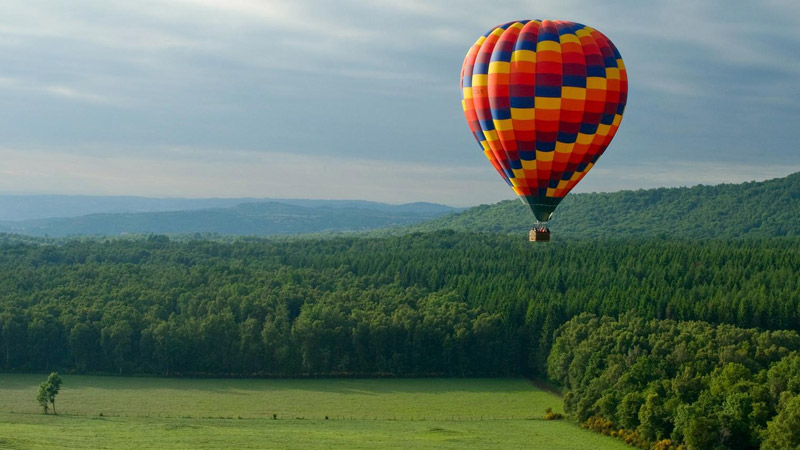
370 399
25 431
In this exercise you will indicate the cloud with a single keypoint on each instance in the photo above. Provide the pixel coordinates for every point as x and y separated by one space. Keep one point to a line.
365 86
59 91
104 27
189 172
285 15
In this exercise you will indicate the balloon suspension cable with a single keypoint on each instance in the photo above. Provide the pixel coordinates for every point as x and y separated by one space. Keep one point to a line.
540 226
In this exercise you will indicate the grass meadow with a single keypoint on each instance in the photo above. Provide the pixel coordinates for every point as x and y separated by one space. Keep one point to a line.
124 412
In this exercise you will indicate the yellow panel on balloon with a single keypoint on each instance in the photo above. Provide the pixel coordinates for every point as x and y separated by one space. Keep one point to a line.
481 80
523 113
544 46
573 93
544 156
498 67
523 56
504 125
562 147
595 83
569 38
548 102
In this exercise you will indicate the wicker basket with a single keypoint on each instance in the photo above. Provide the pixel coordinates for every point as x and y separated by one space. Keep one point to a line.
538 235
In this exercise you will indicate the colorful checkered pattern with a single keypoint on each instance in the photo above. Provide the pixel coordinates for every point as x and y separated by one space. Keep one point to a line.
543 98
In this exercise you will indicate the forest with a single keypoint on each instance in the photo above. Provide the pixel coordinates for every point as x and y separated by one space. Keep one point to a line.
672 383
756 209
428 303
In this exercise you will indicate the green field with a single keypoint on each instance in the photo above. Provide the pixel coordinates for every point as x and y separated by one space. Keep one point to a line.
215 413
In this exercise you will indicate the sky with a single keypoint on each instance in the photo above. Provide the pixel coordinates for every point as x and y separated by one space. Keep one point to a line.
360 99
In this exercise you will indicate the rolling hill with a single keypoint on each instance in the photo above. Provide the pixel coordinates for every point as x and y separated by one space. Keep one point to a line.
754 209
28 207
257 219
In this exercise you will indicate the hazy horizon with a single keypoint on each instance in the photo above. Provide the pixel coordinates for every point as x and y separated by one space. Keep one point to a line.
742 179
360 100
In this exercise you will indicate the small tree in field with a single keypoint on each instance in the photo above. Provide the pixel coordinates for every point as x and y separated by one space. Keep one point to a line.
41 397
48 391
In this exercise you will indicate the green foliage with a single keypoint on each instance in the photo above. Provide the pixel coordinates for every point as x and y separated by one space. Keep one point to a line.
443 303
549 414
755 209
783 432
693 383
42 397
48 390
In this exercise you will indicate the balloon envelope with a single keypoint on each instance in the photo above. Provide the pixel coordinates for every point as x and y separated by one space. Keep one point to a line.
543 98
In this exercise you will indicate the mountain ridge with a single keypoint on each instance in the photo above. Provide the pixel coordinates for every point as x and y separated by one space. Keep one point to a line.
754 209
249 218
21 207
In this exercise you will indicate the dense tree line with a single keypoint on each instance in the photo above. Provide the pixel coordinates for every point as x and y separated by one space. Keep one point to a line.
439 303
681 383
756 209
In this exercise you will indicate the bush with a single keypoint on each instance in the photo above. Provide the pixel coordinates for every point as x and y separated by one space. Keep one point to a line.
550 415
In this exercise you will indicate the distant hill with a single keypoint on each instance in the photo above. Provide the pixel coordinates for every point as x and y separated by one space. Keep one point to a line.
27 207
259 218
766 208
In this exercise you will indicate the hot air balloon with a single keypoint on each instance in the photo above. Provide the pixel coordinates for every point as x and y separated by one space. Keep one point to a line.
543 98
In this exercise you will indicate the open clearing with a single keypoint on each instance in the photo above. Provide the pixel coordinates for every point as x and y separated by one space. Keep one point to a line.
236 413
